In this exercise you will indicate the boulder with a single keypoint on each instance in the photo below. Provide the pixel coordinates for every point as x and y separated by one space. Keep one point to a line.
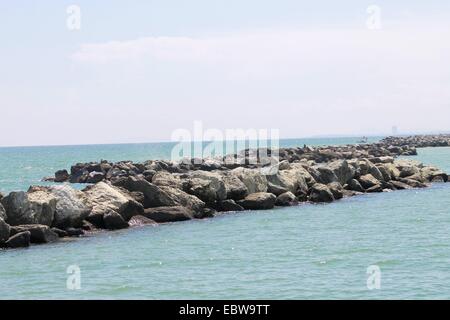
103 198
33 207
342 170
168 214
181 198
38 233
74 232
154 196
138 221
4 231
114 221
234 187
95 177
59 232
252 179
207 186
320 193
433 173
19 240
286 199
354 185
275 188
413 183
336 189
400 185
71 207
164 178
368 181
258 201
228 205
61 176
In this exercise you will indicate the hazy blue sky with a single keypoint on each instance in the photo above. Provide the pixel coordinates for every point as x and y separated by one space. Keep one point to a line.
137 70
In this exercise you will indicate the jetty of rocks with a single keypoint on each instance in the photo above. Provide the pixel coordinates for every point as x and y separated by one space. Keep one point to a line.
126 194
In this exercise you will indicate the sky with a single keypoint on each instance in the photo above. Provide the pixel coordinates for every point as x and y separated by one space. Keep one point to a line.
136 71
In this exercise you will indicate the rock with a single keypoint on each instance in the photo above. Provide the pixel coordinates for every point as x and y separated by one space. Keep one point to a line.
228 205
71 207
336 189
207 186
354 185
167 179
286 199
154 196
19 240
394 173
386 175
74 232
181 198
326 175
320 193
168 214
400 185
103 198
59 232
275 189
375 188
95 177
4 231
413 183
114 221
234 187
434 174
61 176
38 233
2 212
258 201
342 170
33 207
252 179
139 220
368 181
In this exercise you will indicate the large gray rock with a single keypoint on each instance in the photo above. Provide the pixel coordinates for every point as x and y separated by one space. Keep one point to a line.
166 179
228 205
138 221
19 240
71 207
114 221
234 187
342 170
103 198
368 181
38 233
258 201
320 193
286 199
207 186
168 214
354 185
4 231
34 207
253 179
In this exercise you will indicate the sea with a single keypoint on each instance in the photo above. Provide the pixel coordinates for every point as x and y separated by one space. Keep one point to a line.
393 245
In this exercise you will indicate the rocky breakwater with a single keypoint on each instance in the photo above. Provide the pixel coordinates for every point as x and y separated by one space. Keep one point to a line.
161 192
419 141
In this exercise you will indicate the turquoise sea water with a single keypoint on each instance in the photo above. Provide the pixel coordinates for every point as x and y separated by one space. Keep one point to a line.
304 252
